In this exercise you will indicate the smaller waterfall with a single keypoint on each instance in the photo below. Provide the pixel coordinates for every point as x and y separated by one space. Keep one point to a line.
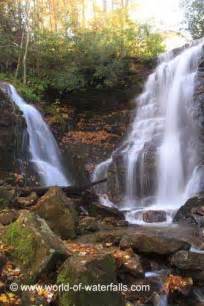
43 149
100 173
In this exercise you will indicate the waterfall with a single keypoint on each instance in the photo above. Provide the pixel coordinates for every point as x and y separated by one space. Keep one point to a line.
160 154
43 149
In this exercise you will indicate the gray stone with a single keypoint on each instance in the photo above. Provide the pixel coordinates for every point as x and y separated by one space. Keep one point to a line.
192 212
187 260
144 240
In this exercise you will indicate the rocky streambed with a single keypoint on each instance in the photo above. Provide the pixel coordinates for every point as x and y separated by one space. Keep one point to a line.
55 239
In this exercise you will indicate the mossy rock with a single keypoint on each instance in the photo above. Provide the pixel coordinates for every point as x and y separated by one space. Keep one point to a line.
59 212
89 271
37 249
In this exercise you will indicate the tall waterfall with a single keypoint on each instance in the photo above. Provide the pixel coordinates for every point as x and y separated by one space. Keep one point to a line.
43 149
163 132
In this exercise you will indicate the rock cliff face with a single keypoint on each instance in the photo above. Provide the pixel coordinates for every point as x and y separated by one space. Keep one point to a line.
11 132
90 128
197 110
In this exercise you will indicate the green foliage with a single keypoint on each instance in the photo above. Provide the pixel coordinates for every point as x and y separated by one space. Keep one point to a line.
92 59
150 43
74 58
194 14
31 92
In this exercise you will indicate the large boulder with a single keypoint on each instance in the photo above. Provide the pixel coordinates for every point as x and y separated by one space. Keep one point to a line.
141 240
89 273
153 244
188 260
192 212
36 249
59 212
151 216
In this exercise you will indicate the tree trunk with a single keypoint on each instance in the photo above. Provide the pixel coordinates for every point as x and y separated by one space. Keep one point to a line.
19 56
70 190
25 58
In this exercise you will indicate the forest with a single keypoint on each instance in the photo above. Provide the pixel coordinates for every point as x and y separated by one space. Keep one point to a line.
67 46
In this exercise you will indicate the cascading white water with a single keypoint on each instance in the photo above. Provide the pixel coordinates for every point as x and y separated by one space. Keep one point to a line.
163 125
99 174
44 151
163 113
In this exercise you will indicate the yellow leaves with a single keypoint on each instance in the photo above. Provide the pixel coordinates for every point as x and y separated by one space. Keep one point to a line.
5 249
9 299
46 294
122 256
177 283
82 249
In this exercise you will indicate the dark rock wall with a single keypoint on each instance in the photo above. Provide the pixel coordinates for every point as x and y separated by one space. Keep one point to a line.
11 131
88 135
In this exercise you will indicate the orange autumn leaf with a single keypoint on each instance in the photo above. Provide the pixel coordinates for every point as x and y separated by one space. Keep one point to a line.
177 283
87 137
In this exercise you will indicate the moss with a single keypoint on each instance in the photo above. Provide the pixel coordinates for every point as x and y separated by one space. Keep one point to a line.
22 241
88 271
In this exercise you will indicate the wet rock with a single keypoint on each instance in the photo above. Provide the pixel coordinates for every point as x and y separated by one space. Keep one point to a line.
87 225
122 223
30 200
96 209
151 240
192 212
152 216
11 131
112 222
89 270
197 276
59 212
116 178
144 185
37 249
147 164
187 260
152 244
8 216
